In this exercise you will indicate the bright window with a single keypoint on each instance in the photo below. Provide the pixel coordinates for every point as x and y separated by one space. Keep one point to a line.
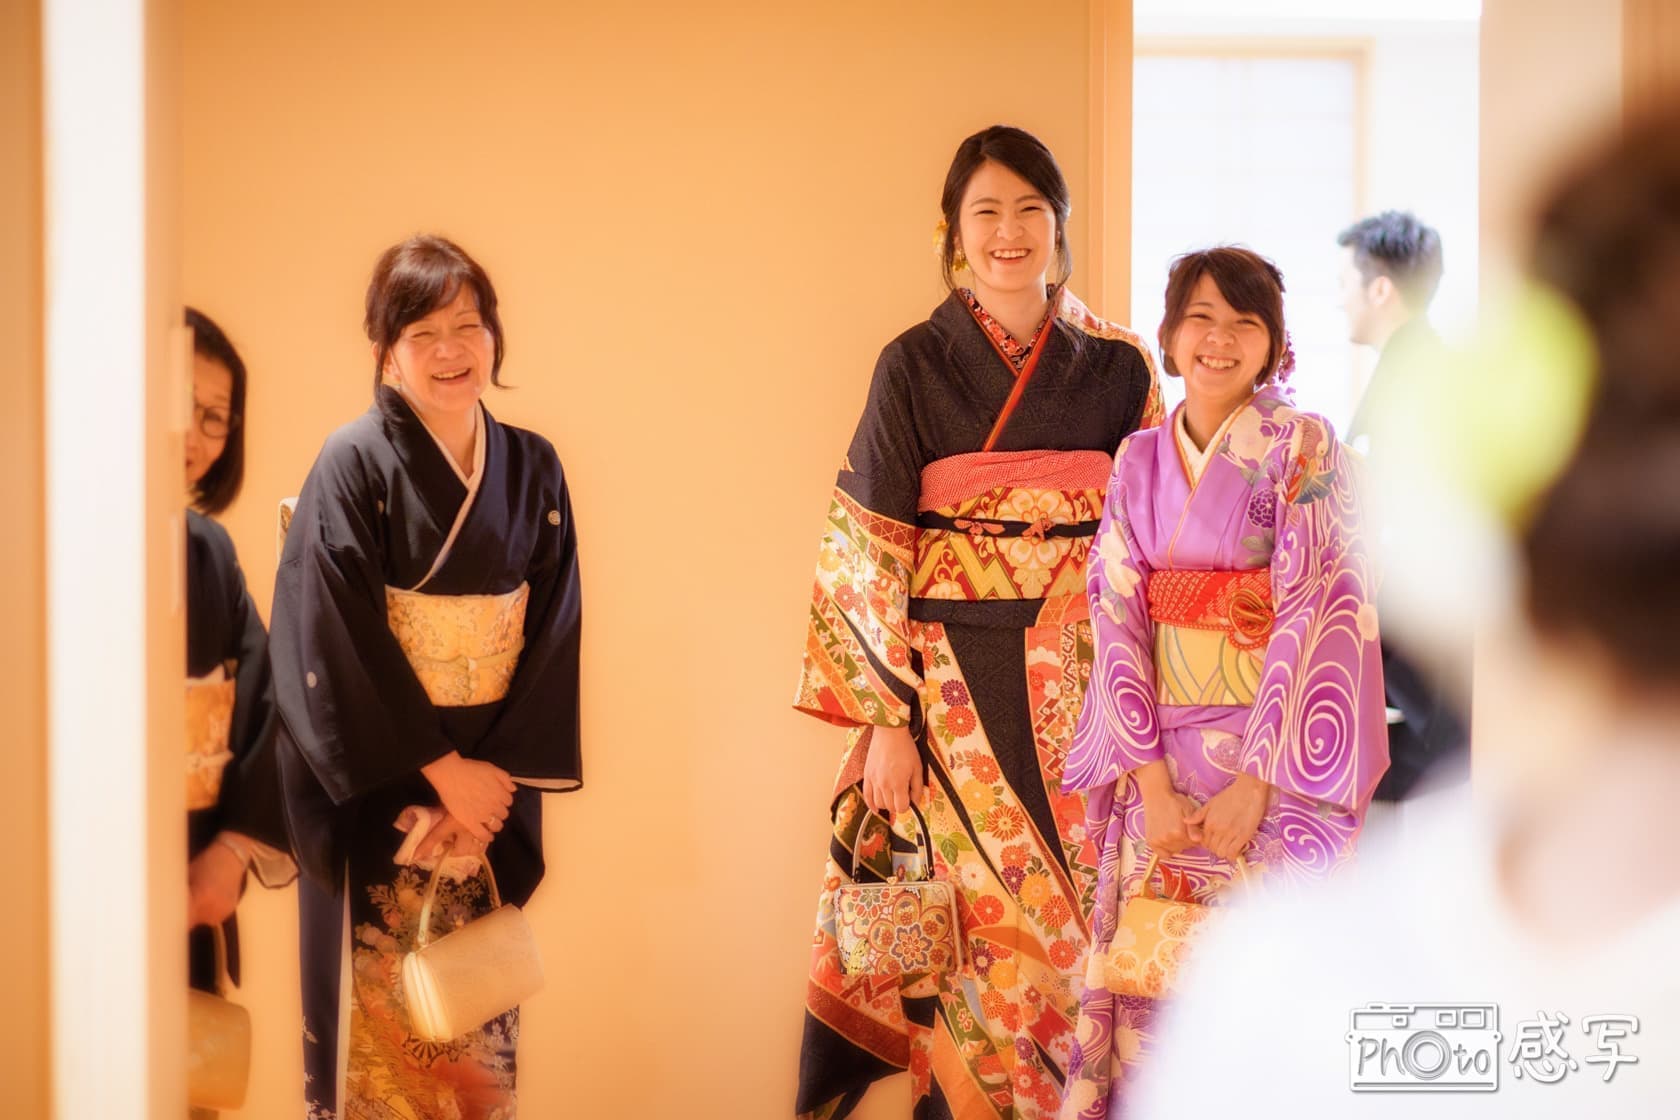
1258 150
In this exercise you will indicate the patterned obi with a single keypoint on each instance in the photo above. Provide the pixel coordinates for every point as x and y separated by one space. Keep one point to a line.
209 722
1008 529
464 648
1211 632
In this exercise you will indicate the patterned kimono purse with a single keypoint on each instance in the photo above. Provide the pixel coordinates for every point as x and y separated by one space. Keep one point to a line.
900 927
1152 941
472 974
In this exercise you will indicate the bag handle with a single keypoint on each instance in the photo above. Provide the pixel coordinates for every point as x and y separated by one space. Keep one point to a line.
1146 889
218 939
925 846
424 937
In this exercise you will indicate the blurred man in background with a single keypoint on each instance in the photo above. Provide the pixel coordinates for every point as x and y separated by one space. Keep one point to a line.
1391 267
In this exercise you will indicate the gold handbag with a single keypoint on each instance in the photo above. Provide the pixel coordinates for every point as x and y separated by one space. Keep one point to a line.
900 927
472 974
218 1045
1152 941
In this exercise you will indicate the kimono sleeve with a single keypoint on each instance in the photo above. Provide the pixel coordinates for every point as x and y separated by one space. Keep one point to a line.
536 734
349 699
251 802
858 666
1317 728
1117 729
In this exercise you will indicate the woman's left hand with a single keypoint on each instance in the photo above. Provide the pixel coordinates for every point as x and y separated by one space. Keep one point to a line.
1231 817
214 879
449 836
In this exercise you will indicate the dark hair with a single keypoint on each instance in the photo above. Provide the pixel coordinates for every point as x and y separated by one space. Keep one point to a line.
1025 155
414 278
1602 543
220 485
1396 245
1249 282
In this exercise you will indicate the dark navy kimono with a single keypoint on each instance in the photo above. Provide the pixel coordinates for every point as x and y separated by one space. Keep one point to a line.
375 512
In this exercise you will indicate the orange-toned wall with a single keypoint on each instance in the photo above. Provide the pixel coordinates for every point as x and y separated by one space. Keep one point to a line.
1650 52
1551 76
24 1069
166 401
704 221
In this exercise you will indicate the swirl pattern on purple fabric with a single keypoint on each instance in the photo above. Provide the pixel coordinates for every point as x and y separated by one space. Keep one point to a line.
1280 492
1117 728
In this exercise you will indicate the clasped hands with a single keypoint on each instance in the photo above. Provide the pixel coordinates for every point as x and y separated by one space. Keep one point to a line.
476 796
1224 825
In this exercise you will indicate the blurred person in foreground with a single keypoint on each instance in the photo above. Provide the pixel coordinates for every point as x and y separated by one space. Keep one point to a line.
1391 268
1554 903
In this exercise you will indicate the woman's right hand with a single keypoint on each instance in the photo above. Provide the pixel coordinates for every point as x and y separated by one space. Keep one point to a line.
1165 811
478 794
892 771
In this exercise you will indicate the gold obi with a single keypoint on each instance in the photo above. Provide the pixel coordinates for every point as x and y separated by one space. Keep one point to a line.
464 648
1211 633
209 722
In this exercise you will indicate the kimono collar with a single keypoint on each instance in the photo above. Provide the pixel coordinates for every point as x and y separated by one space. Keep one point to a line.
1268 398
1013 350
469 479
1196 459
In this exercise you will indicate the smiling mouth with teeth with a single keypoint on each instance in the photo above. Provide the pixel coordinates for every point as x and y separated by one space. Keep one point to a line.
1009 254
456 376
1217 363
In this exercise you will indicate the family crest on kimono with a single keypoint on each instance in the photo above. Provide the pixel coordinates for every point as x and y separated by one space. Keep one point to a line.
426 636
948 631
1235 707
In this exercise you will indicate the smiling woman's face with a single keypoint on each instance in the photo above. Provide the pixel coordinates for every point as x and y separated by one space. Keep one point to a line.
1219 350
1007 231
443 360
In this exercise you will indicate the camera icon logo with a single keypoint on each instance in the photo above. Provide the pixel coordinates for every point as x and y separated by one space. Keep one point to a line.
1424 1047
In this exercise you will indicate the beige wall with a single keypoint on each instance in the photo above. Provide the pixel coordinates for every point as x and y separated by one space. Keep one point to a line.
1651 49
24 1070
1551 74
704 224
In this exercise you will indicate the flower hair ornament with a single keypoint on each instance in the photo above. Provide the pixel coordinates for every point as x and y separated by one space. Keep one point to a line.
1286 361
958 261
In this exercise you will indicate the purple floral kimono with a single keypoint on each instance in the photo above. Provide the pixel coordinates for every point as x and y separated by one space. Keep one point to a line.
1232 608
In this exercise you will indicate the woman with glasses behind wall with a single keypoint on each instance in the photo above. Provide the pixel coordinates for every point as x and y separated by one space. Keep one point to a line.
234 823
947 630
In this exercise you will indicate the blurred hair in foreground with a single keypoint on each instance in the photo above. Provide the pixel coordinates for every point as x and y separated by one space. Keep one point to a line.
1540 497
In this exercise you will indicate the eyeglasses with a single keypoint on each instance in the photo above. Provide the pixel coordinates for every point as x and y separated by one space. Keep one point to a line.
213 423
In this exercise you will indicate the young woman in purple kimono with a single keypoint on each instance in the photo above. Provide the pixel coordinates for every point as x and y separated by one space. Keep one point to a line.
1235 707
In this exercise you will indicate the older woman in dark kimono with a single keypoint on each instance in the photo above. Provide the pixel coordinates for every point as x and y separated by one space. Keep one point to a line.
426 624
948 629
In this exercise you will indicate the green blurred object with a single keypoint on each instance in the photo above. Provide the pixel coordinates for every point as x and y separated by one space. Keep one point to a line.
1499 418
